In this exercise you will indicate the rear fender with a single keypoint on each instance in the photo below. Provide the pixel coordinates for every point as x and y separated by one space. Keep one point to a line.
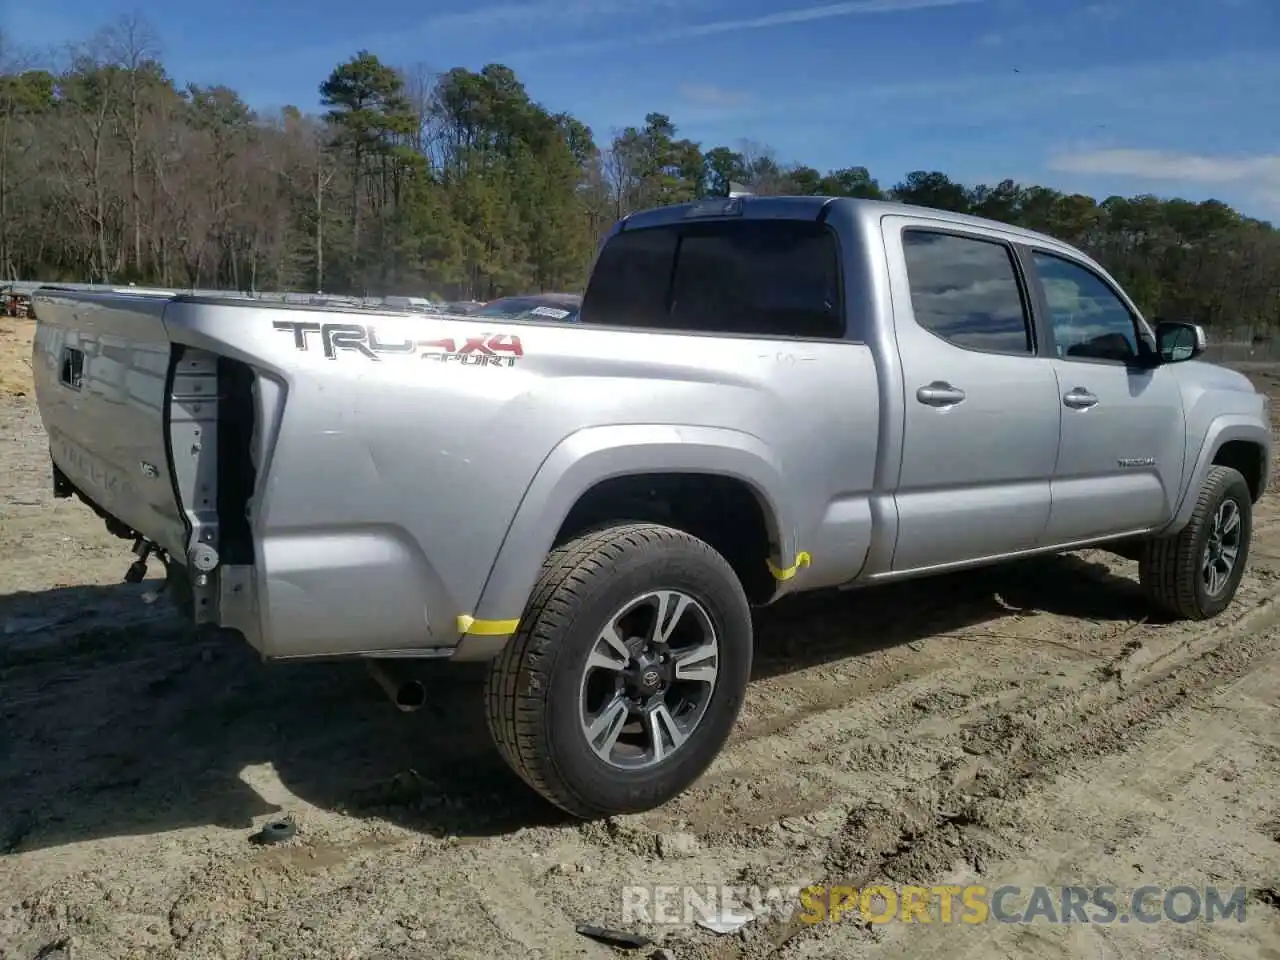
593 455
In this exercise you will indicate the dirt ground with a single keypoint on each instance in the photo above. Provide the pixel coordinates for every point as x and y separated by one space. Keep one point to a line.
1027 725
15 357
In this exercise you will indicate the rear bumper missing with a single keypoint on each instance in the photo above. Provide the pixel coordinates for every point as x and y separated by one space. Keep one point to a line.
301 610
309 586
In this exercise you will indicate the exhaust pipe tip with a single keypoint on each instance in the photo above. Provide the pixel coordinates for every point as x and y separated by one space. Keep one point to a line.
408 696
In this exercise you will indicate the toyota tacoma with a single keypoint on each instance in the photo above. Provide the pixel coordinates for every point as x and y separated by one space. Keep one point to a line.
760 396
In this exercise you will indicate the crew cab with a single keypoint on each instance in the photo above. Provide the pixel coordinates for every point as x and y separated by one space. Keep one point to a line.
760 396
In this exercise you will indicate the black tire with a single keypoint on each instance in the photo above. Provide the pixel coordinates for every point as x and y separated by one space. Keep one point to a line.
1170 568
532 691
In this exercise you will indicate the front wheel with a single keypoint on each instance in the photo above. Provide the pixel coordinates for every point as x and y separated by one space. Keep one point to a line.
1194 574
628 671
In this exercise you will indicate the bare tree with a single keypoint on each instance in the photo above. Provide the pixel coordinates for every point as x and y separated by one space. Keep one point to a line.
13 64
420 89
132 45
91 93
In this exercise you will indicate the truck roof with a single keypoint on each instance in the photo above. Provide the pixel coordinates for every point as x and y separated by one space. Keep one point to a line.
808 207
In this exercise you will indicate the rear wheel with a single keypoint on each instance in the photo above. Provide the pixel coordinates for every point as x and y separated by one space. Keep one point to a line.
628 672
1194 574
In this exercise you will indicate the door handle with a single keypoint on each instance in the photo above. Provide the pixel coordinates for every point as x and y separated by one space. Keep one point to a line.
1079 399
939 394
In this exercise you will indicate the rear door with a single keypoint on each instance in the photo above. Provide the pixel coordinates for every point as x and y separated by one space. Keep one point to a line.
980 430
1123 438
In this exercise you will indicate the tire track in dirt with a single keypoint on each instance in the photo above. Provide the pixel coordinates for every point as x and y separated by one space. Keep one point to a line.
904 710
921 643
932 741
1121 819
946 817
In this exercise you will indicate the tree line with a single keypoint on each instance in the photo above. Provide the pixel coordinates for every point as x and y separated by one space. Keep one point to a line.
459 185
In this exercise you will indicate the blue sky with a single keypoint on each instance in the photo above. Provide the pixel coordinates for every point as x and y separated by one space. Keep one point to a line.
1175 97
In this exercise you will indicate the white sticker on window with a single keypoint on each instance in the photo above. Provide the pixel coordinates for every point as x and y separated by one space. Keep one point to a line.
555 313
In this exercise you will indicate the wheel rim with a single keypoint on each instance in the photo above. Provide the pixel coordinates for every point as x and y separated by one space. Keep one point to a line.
1222 548
649 679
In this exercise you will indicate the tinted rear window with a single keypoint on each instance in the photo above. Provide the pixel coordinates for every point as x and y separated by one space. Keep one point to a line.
747 277
524 306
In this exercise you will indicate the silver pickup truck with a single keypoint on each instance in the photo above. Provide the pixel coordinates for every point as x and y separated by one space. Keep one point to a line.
760 396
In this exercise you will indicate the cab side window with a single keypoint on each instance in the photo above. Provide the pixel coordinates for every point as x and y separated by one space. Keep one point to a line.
1089 321
966 291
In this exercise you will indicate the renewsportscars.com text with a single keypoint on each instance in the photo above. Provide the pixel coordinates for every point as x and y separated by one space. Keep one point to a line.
945 904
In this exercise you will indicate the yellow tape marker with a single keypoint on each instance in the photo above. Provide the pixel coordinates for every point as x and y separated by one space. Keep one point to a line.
802 560
486 628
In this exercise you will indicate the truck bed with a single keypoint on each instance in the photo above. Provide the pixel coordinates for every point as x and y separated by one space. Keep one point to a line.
339 482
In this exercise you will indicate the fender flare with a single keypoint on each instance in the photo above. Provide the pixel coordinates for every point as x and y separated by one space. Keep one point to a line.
1222 430
592 455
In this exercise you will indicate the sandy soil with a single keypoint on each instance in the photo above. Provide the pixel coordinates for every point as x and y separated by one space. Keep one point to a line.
15 356
1017 726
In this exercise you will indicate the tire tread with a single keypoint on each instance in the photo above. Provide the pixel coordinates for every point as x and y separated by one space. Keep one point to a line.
1168 567
515 710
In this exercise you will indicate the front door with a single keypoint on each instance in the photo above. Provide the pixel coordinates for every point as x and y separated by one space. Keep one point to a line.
1123 441
980 426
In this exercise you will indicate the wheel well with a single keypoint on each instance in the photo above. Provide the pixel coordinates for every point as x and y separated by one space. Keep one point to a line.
723 511
1245 457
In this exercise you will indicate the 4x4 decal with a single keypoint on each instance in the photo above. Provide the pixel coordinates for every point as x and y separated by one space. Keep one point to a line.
486 350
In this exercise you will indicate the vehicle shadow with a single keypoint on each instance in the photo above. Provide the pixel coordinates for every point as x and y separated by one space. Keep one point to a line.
117 719
813 629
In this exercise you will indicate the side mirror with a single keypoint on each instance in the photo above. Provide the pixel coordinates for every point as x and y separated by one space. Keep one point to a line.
1177 341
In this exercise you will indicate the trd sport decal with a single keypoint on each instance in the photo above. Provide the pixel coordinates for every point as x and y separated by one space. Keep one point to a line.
486 350
499 350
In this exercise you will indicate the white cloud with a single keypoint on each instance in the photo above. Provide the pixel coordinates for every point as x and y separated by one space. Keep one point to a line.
541 11
806 15
1109 10
513 18
827 11
1163 165
1257 175
1000 98
709 95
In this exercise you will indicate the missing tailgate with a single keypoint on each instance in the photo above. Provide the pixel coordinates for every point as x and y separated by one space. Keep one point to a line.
211 431
236 472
